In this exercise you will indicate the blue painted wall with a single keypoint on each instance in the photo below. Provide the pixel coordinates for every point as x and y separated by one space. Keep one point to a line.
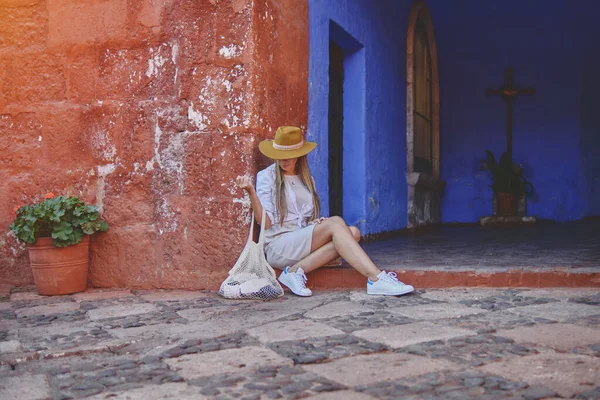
375 142
555 131
590 128
551 44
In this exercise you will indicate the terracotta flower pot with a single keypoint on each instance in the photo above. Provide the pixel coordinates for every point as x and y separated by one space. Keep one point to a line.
507 204
59 270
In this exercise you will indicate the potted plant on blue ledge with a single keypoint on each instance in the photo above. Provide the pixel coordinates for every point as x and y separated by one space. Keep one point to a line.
508 183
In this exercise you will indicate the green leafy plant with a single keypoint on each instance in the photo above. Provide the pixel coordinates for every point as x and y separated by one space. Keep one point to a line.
506 176
64 219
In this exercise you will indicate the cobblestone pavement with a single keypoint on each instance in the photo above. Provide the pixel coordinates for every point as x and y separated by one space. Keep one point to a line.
434 344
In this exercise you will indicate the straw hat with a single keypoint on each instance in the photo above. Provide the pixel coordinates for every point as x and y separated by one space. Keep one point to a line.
289 143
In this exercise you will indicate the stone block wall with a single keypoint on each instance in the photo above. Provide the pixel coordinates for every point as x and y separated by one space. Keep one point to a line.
149 109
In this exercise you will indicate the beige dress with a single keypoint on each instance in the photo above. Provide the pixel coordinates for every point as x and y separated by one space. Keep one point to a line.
290 242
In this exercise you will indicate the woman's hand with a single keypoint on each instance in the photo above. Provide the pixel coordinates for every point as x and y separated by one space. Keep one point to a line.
317 221
244 182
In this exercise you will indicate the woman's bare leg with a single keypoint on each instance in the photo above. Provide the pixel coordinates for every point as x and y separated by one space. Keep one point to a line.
316 259
334 230
322 255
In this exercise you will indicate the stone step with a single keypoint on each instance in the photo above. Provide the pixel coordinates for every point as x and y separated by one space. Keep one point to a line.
345 277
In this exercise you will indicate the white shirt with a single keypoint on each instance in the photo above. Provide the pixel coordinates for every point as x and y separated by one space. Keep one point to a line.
303 195
299 213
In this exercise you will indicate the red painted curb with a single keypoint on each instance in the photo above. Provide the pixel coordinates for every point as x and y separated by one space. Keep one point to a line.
347 278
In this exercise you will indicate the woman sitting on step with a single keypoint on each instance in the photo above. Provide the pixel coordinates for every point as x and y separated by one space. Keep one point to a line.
296 239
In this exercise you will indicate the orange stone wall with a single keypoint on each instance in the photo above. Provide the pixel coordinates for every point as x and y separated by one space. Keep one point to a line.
149 109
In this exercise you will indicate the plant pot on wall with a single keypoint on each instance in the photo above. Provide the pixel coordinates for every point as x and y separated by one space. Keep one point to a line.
57 232
59 270
507 204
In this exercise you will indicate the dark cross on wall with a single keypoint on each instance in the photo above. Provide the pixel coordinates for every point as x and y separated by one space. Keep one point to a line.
509 93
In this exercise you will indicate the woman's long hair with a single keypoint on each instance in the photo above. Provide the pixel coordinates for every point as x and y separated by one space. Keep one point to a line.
304 172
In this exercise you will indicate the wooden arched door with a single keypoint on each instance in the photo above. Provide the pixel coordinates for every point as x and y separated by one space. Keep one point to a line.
422 120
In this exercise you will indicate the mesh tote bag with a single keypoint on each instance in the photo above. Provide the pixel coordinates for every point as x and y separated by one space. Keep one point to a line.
252 277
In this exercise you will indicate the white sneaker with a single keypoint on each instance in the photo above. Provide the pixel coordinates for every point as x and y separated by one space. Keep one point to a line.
296 281
388 285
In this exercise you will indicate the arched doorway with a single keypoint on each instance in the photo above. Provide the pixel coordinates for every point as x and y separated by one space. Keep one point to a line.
422 119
